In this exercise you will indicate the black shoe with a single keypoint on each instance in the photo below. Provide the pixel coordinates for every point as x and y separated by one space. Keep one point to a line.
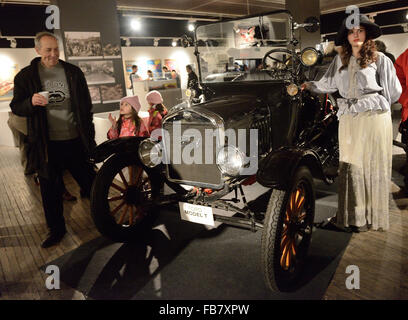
359 229
53 239
331 225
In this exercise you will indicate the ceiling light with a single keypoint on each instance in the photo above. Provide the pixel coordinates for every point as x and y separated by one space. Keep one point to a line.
156 42
136 24
13 42
191 27
406 16
174 43
128 43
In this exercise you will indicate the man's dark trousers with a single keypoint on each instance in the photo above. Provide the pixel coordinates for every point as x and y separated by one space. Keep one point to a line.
69 155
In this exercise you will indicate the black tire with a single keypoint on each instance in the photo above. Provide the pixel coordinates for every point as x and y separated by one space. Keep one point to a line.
284 228
133 204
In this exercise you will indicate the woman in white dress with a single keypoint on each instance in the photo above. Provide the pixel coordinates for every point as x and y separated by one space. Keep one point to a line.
367 81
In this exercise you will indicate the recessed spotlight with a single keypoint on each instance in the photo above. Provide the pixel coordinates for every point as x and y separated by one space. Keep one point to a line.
174 43
136 24
13 42
191 27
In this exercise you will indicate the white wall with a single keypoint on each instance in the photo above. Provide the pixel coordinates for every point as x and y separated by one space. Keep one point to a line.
396 43
21 57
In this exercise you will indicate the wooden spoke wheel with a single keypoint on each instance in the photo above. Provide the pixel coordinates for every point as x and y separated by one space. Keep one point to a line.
122 199
287 232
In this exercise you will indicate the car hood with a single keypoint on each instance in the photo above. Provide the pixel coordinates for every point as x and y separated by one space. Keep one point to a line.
232 108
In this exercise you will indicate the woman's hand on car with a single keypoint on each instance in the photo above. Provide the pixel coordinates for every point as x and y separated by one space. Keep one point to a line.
305 86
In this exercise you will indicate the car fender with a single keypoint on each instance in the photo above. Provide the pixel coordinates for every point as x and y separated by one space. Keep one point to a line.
120 145
278 168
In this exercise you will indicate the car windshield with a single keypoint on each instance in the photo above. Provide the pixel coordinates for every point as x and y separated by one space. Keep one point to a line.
233 50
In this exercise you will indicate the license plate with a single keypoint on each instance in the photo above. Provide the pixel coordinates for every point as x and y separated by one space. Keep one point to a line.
195 213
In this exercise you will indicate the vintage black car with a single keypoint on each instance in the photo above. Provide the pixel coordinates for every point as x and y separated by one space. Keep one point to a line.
253 124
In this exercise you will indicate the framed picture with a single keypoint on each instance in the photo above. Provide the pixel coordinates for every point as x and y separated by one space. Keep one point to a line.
111 51
7 75
171 64
95 94
83 45
111 93
156 66
98 72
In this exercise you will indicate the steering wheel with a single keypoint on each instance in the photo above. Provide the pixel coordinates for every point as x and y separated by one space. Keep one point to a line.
279 61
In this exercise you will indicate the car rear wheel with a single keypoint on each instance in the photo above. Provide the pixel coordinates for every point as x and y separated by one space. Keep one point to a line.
122 198
287 232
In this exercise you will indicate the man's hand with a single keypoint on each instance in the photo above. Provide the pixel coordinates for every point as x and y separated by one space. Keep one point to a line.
38 100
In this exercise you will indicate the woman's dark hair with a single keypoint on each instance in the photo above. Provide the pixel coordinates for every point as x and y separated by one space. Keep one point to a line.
368 53
189 67
135 118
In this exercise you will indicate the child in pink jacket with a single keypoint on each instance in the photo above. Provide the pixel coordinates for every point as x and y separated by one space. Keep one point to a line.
157 110
129 122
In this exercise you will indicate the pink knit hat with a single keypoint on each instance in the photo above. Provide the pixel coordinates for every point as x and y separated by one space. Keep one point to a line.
133 101
154 97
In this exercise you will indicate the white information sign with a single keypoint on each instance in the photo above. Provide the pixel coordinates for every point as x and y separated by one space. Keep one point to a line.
196 213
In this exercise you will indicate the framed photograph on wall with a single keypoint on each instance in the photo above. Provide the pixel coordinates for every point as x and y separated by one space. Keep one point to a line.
95 94
111 51
111 93
156 66
83 45
98 72
7 75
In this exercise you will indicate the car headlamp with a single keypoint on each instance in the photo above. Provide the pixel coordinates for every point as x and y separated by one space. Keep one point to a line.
292 89
230 160
309 57
150 153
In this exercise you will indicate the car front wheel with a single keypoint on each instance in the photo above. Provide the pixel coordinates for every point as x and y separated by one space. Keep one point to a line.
287 232
122 198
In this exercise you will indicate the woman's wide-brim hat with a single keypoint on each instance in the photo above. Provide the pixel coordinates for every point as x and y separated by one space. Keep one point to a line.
372 30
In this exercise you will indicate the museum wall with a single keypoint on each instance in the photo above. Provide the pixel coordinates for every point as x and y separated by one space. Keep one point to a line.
141 56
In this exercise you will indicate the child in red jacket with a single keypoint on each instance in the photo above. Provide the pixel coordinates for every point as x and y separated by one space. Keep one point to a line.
157 110
129 122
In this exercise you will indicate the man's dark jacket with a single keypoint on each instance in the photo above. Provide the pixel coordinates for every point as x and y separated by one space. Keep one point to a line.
26 83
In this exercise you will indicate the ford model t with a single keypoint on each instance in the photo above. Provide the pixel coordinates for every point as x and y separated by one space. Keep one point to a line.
251 125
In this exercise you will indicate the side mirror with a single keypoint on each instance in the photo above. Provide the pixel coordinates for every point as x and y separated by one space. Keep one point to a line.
311 24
